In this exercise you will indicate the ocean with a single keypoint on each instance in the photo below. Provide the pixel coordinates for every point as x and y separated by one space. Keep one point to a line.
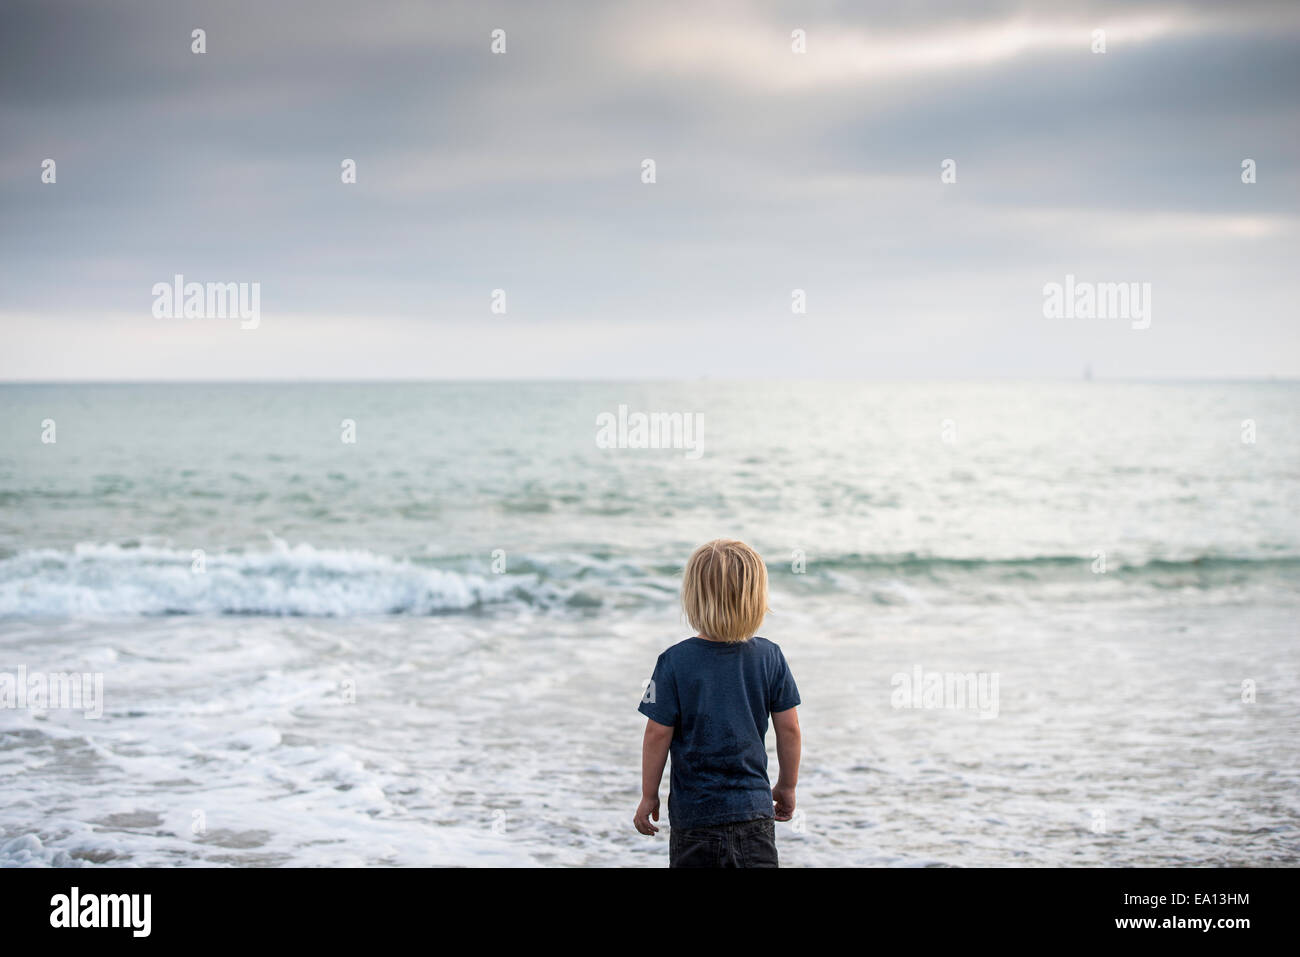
409 624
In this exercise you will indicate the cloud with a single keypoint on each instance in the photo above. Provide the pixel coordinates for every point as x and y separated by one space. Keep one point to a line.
775 171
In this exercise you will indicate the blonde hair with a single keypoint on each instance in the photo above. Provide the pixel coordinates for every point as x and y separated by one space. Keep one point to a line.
724 591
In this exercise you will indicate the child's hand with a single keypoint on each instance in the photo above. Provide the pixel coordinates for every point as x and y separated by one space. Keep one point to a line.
648 808
783 798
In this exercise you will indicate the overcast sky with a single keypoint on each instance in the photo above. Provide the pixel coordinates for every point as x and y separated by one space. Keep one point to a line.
523 172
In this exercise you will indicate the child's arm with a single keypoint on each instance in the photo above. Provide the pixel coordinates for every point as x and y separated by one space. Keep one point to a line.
789 744
654 755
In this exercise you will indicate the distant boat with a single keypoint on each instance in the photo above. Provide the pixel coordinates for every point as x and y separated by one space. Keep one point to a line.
1087 372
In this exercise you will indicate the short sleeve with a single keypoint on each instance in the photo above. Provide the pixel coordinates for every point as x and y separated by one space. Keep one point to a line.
783 694
659 700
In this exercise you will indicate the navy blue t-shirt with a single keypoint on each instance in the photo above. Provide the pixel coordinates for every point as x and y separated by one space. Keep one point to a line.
717 697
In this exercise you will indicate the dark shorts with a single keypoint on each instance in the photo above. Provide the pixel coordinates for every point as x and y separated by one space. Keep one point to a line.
740 844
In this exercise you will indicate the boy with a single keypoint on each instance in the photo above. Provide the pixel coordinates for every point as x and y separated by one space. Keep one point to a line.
709 698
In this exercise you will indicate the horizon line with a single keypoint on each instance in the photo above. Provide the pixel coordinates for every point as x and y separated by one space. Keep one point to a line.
451 380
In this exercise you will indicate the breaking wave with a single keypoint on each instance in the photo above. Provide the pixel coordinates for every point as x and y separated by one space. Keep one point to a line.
93 580
112 581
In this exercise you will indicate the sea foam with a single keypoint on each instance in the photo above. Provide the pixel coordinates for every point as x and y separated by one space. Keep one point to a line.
108 580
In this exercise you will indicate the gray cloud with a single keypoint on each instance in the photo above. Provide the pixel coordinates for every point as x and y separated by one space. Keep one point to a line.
521 172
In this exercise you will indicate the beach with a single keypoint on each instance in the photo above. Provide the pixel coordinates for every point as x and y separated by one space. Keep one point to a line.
425 645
